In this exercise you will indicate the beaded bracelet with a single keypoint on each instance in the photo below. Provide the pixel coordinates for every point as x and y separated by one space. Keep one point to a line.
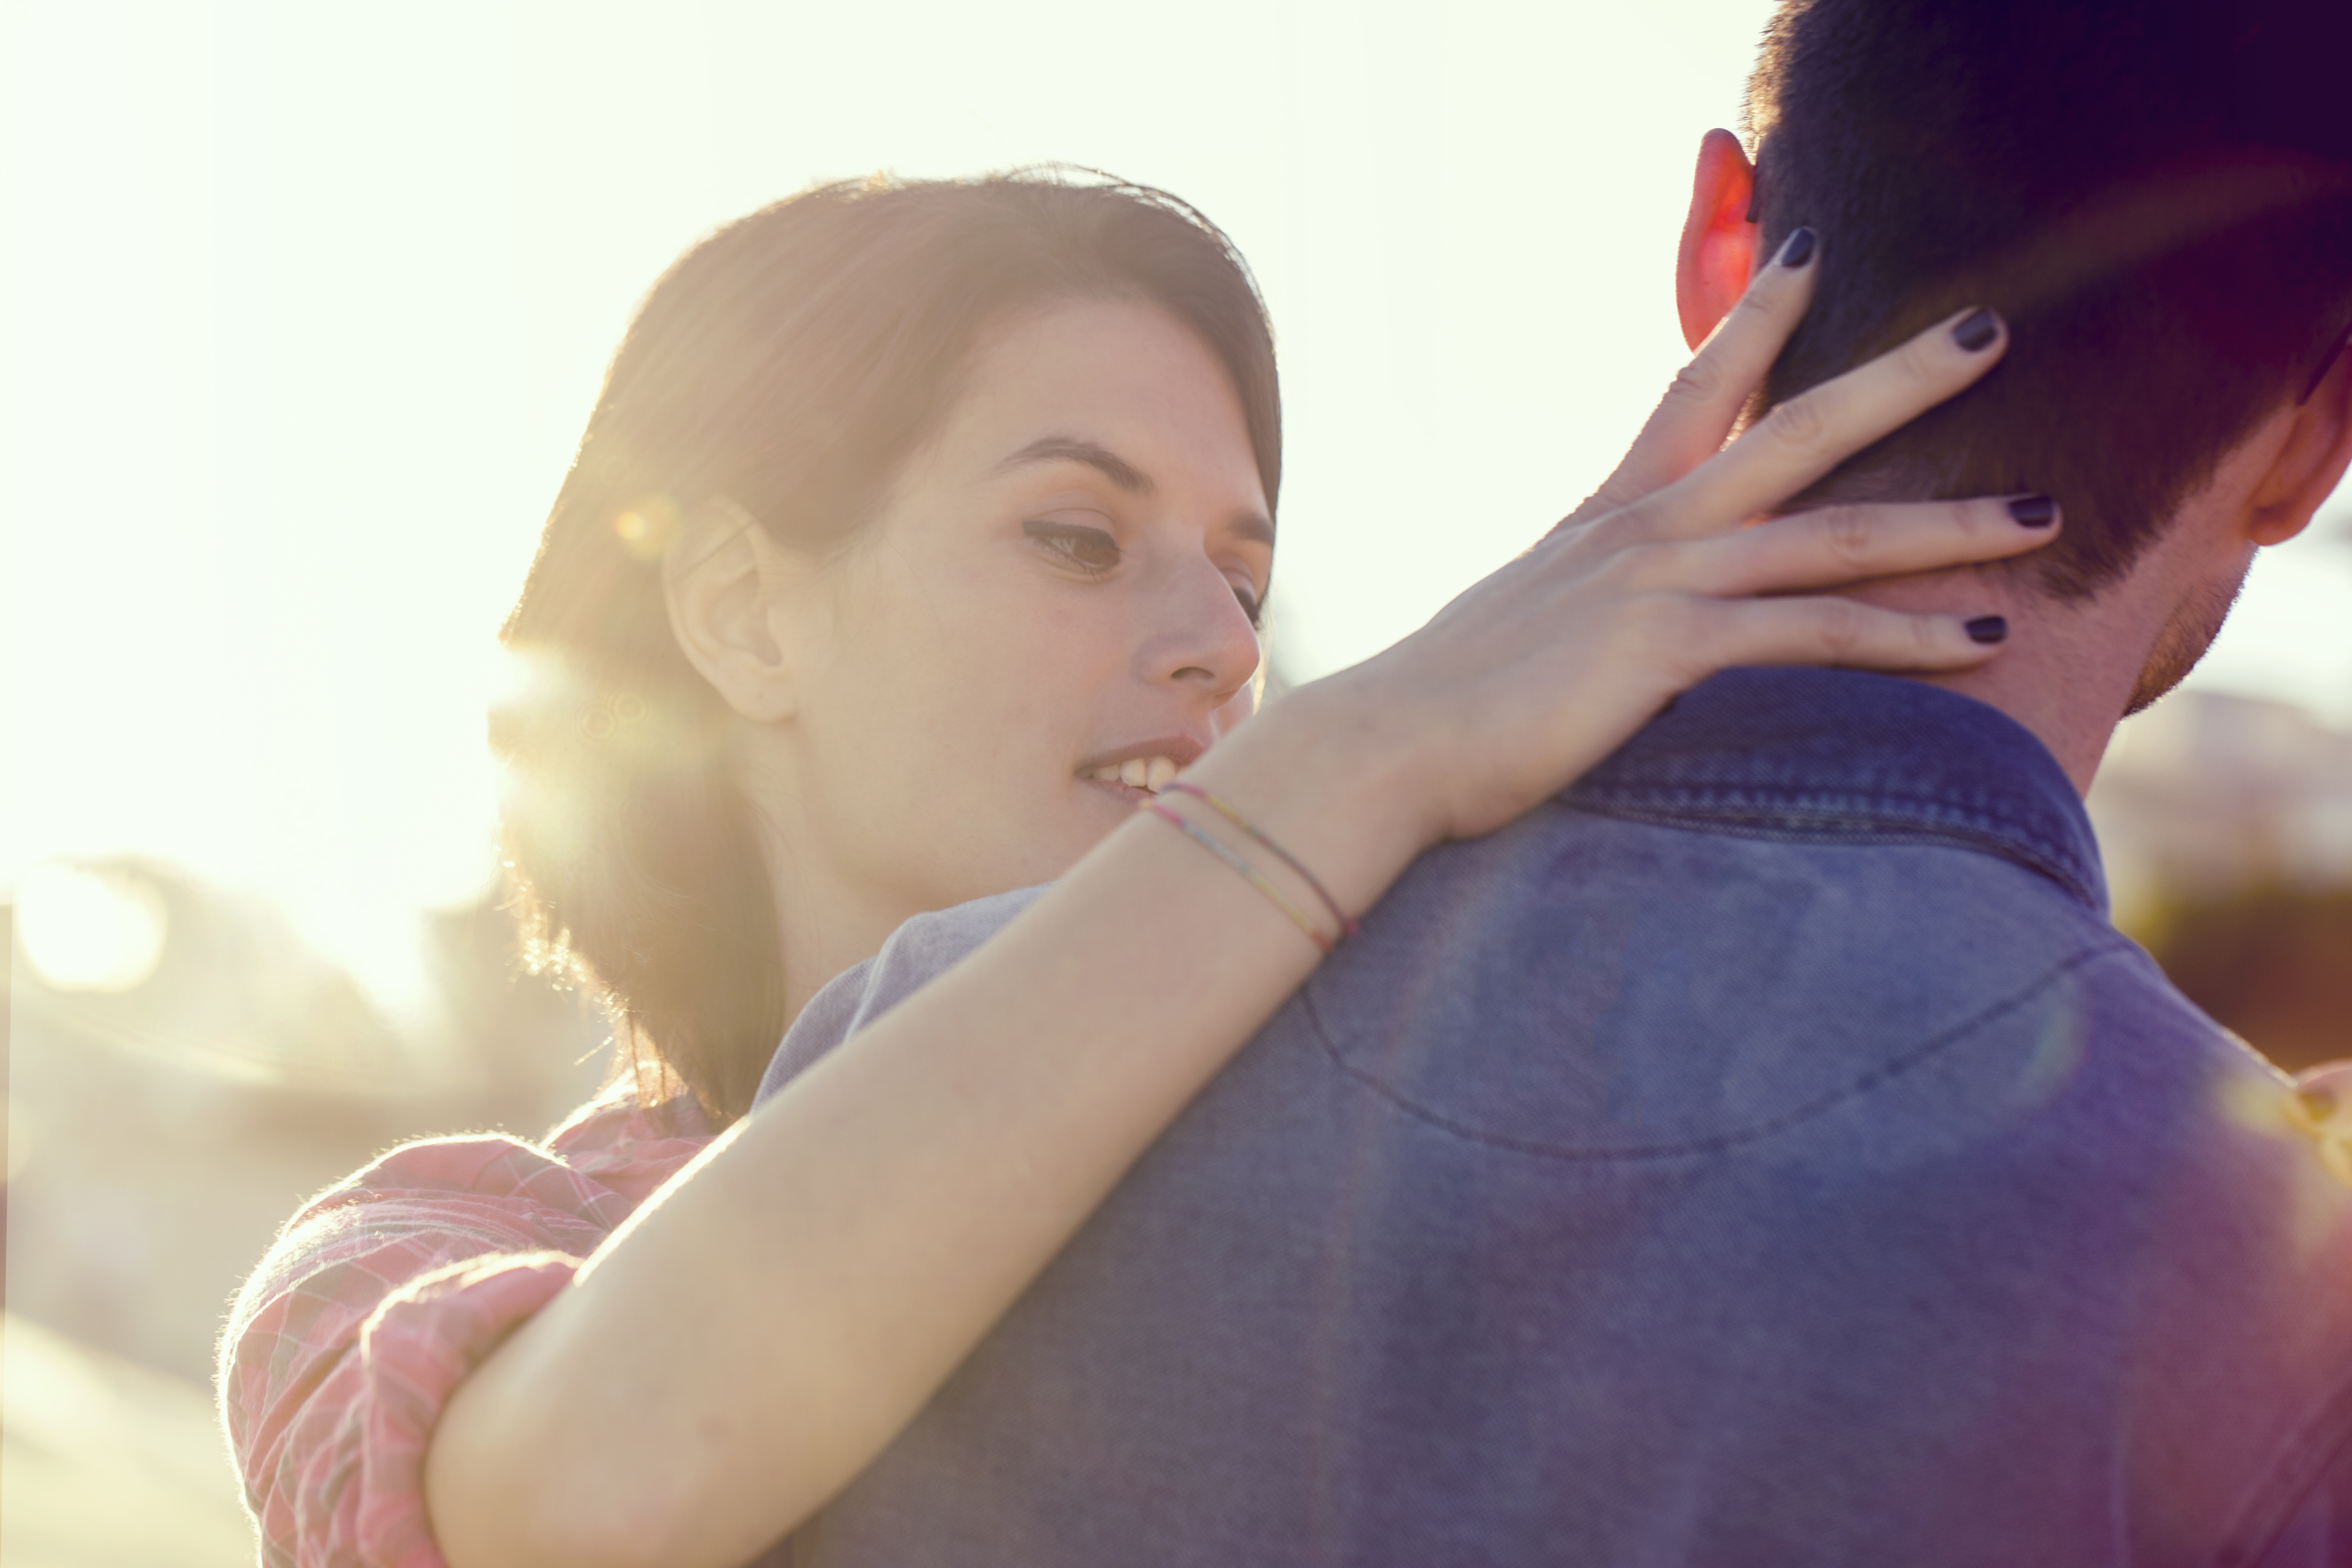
1347 925
1225 852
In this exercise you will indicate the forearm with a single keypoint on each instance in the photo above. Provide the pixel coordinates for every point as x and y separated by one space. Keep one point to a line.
757 1334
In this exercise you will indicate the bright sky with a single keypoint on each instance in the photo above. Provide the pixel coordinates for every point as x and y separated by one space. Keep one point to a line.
301 309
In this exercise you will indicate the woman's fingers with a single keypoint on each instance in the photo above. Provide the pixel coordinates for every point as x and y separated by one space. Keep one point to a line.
1806 437
1835 545
1704 400
1724 633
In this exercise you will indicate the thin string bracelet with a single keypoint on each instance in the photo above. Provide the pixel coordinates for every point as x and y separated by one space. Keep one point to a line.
1347 926
1225 852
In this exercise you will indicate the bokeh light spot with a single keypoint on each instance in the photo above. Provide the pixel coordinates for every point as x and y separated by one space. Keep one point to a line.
83 928
650 528
2261 1104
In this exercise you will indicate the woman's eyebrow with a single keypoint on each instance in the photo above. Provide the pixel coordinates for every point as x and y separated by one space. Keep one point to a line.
1254 528
1069 449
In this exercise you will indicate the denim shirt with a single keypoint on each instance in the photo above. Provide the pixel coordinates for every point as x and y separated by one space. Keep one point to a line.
1765 1152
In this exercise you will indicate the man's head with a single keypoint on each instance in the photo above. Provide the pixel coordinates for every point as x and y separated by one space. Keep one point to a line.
2156 193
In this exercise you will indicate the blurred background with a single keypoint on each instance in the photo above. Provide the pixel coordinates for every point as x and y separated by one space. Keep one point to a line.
302 307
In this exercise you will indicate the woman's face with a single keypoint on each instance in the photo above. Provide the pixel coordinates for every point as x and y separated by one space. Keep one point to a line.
1059 594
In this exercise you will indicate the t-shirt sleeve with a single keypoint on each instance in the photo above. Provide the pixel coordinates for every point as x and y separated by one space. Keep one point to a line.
917 954
372 1305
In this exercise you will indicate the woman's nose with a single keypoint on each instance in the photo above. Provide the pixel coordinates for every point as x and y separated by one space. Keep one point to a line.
1202 636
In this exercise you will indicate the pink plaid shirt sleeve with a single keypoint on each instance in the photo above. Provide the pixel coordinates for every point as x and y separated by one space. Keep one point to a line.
385 1291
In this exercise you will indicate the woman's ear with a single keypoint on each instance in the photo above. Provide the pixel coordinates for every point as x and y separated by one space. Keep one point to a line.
724 582
2310 462
1718 249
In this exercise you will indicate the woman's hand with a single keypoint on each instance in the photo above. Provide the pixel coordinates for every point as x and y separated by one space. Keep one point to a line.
1666 575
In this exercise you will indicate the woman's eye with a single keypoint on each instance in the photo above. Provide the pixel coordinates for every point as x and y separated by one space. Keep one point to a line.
1249 605
1089 549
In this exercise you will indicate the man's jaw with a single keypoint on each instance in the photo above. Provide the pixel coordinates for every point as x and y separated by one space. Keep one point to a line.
2184 638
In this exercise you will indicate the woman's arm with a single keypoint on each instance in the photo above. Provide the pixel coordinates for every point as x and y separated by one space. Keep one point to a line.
757 1333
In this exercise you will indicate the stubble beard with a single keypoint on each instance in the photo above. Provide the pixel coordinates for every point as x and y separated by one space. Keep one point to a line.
2187 633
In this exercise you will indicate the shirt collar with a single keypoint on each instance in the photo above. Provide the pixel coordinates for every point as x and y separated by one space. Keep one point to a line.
1841 755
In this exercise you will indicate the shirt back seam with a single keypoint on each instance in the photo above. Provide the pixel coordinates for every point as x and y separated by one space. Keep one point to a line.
1769 1127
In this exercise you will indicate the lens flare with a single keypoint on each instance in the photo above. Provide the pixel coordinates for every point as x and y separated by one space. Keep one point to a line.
650 528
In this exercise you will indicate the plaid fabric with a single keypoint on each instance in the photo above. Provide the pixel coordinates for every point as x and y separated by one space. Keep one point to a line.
385 1289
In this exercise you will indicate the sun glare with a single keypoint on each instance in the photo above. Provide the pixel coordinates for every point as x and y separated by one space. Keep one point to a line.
358 364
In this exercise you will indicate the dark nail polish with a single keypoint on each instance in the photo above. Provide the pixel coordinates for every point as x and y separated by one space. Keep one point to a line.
1798 249
2033 511
1978 330
1988 629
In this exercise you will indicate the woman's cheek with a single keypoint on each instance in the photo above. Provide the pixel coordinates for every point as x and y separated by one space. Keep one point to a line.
1242 704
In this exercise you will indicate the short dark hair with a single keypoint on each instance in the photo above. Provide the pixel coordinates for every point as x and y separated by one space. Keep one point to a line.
789 364
2157 194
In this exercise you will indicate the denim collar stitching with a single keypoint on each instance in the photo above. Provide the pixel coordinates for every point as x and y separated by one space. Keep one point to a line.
1842 756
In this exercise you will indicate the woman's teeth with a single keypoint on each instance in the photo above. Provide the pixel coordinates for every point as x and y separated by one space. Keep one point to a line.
1144 773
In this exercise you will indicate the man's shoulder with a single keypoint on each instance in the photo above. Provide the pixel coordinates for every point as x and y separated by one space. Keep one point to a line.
1708 1141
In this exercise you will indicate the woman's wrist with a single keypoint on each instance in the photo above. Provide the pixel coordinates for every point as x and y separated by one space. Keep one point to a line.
1327 774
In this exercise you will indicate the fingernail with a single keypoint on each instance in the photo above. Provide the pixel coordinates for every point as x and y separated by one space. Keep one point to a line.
1978 330
1798 249
1988 629
2033 511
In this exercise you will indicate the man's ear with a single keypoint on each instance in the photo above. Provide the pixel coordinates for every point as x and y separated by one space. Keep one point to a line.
1718 249
723 582
2310 462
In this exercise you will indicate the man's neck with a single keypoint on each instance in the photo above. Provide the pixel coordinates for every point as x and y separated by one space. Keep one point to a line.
2070 669
2069 702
